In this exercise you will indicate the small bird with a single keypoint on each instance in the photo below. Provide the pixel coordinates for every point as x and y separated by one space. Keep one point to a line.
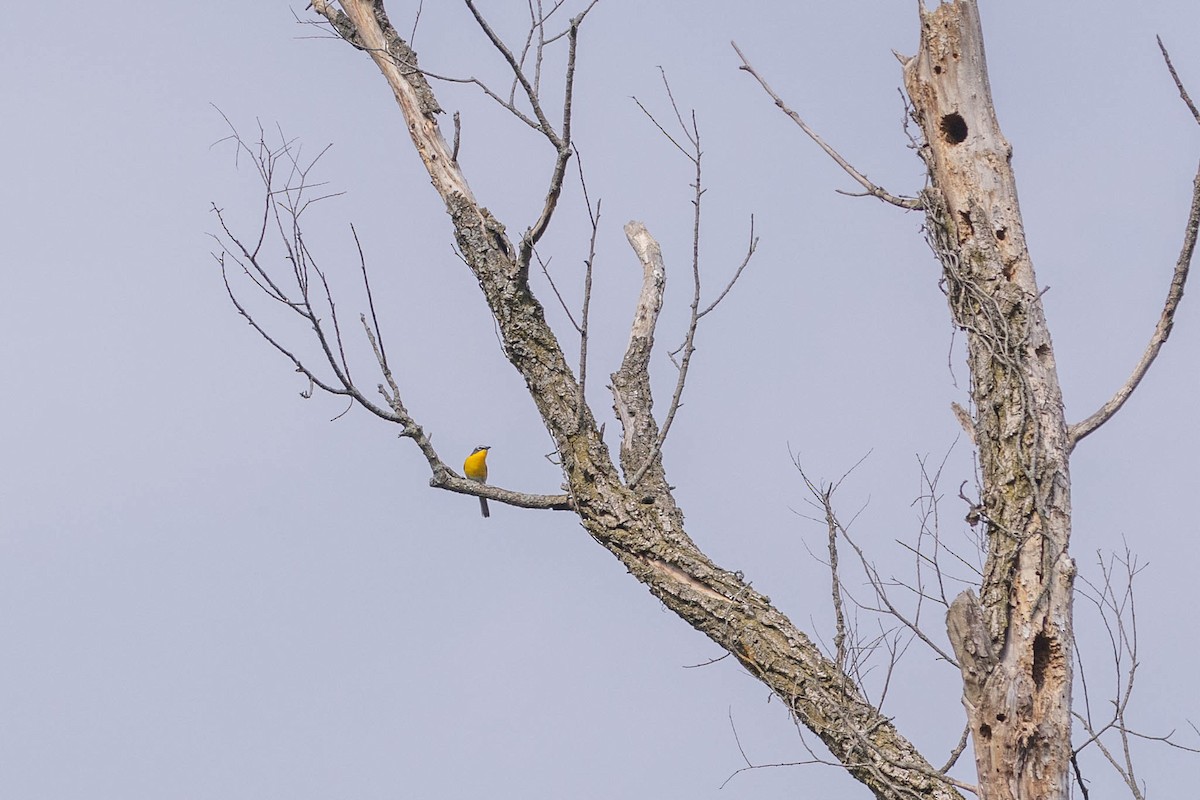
475 468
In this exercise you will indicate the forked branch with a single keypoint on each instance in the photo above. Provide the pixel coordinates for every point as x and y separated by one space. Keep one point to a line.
287 193
694 153
560 140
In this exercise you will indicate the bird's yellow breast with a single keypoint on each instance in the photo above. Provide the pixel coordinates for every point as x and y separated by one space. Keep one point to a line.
475 467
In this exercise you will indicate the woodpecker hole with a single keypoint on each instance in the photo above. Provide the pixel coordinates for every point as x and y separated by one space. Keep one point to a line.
1001 717
1041 658
985 731
954 128
937 69
1000 234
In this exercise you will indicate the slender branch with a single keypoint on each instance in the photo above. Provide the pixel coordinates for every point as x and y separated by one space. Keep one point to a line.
824 502
1174 294
545 267
910 203
831 525
534 30
348 33
312 377
1183 94
447 479
737 273
416 21
958 749
337 328
1079 776
483 87
663 131
584 313
362 263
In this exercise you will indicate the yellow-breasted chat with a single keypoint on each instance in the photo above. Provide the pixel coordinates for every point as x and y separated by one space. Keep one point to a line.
475 468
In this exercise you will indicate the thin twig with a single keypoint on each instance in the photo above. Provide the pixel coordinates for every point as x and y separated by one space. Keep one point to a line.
412 37
737 273
878 585
534 30
1178 83
362 262
594 219
545 267
752 766
910 203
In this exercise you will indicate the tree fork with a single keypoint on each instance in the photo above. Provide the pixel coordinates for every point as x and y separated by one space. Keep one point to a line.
1013 642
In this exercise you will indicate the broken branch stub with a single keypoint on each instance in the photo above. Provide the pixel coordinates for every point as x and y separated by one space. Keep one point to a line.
632 399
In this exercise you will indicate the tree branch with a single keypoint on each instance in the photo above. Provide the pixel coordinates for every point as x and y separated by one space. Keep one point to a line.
585 310
1174 294
531 93
645 529
909 203
632 399
563 147
694 155
285 206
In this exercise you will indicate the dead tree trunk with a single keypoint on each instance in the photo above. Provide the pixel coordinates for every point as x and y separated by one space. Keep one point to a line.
1013 642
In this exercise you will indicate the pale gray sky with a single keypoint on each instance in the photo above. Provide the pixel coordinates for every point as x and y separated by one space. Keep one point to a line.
208 590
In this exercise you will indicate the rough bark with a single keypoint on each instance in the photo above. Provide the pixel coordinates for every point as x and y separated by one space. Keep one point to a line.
1014 641
643 527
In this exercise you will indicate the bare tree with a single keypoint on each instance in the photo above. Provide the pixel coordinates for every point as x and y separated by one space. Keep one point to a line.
1012 639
